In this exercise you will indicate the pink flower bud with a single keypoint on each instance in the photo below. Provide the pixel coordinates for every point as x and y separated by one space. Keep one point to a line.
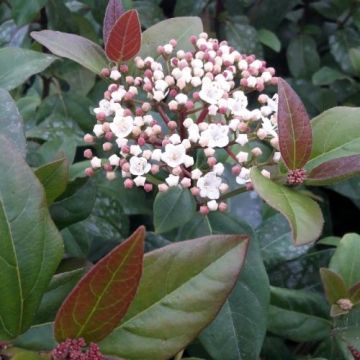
125 167
160 50
106 126
223 207
111 175
129 80
155 169
125 149
148 73
173 93
107 167
107 95
88 154
141 141
105 72
211 161
235 170
148 187
249 186
163 187
127 112
244 82
139 112
185 182
123 68
196 96
204 210
146 107
107 146
109 135
193 39
89 139
113 87
101 117
274 81
128 184
172 125
189 105
89 171
173 42
256 151
195 191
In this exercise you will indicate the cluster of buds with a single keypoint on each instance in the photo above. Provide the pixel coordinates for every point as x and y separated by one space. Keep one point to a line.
188 111
75 349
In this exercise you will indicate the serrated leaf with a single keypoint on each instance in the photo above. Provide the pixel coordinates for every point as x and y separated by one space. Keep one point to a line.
341 127
334 170
303 213
346 260
11 122
102 297
26 228
54 177
113 11
17 65
73 47
295 137
334 285
124 40
183 287
172 209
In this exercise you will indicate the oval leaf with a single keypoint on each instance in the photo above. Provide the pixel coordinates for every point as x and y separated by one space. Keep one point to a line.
124 40
295 137
102 297
303 213
30 246
183 288
73 47
172 209
113 11
334 170
17 65
334 285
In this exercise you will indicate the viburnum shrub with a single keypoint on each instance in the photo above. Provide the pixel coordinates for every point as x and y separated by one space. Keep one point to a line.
190 122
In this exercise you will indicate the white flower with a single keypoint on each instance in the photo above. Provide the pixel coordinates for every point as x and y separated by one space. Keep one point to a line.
238 102
244 176
219 168
181 98
121 142
212 205
233 124
95 162
156 155
195 174
161 85
174 155
118 94
168 49
115 74
172 180
140 180
193 133
104 107
114 160
139 166
122 126
211 91
269 127
158 95
209 186
189 161
215 135
135 150
242 139
213 109
98 130
175 139
242 156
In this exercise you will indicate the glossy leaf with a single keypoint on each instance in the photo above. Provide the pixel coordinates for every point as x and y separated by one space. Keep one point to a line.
346 260
183 287
334 285
11 122
124 39
26 228
168 29
25 12
73 47
54 178
334 170
102 297
303 213
113 11
298 315
17 65
269 39
172 209
327 75
342 128
295 137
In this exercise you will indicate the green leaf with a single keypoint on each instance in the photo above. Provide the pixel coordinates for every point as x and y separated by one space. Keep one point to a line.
172 209
303 213
346 260
102 297
26 12
168 29
295 137
334 285
189 7
60 286
17 65
75 204
183 287
73 47
298 315
26 228
303 58
354 55
54 178
11 123
342 128
269 39
150 13
27 106
340 44
327 75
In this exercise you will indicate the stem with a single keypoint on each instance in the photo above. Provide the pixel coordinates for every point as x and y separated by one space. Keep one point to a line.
233 193
182 131
194 110
163 114
231 154
202 116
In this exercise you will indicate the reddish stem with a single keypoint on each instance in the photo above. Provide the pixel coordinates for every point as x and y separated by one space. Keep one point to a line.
202 116
231 154
182 131
163 114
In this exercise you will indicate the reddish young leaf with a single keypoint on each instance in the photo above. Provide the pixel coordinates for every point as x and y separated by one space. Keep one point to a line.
114 10
295 135
102 297
334 285
334 170
124 40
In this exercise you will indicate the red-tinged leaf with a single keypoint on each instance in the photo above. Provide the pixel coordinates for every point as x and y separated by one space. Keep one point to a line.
354 292
102 297
124 40
334 170
114 10
334 285
295 135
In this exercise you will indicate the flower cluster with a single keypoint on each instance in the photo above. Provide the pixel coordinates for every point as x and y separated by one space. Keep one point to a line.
75 349
185 116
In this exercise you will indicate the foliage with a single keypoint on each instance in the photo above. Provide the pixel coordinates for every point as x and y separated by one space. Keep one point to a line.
211 284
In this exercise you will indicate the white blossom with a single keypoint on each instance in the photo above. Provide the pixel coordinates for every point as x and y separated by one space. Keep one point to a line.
174 155
215 135
172 180
242 139
114 160
140 180
122 126
209 186
95 162
139 166
211 91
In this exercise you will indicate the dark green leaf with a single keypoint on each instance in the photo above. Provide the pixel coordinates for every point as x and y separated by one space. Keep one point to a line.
334 285
269 39
327 75
25 12
354 55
